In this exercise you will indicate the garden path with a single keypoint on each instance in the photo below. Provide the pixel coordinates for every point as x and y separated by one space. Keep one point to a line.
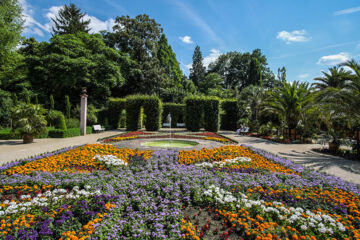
11 150
348 170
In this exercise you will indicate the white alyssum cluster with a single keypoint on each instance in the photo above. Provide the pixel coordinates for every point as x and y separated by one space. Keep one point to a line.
110 160
223 163
44 199
321 222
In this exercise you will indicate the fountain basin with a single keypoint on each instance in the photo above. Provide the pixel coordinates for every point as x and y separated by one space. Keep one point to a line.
170 143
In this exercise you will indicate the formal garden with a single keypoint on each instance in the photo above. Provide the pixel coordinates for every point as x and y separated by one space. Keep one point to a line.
131 184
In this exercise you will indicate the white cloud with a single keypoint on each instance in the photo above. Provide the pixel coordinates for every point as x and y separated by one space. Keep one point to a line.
305 75
32 26
334 59
347 11
188 66
214 54
294 36
186 39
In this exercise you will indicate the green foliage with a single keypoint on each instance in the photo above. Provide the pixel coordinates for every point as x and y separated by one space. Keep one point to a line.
249 101
67 106
211 82
60 122
11 22
229 116
211 113
29 119
72 61
115 108
197 71
152 106
194 110
70 21
177 112
52 102
70 132
6 104
52 117
72 122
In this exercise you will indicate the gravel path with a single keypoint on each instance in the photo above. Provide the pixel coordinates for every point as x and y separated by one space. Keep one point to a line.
11 150
302 153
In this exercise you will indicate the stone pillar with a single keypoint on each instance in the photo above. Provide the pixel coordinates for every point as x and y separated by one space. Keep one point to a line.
83 111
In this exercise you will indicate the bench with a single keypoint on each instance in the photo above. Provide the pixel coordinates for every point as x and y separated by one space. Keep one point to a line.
180 125
166 124
98 128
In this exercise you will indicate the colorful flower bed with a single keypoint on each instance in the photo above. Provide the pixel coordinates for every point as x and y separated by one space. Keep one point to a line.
143 135
233 192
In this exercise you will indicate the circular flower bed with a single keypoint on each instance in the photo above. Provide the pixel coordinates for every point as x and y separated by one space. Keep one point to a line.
232 192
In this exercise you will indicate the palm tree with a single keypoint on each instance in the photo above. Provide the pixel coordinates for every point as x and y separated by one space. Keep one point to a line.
335 78
289 101
250 98
351 91
29 120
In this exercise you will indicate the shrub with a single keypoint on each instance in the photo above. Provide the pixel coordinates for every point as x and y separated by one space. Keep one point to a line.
229 116
152 108
114 111
67 106
91 116
193 112
72 123
52 117
177 112
70 132
60 122
211 106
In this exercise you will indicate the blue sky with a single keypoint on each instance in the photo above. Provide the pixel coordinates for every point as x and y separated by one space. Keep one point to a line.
304 36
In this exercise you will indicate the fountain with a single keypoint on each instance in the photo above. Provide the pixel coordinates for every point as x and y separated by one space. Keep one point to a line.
170 143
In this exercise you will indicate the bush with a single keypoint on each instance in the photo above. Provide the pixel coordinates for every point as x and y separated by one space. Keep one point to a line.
152 106
60 122
229 116
177 112
211 107
52 117
91 116
72 123
193 112
70 132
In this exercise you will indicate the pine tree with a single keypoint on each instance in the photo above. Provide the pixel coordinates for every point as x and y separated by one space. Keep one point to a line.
70 21
168 60
254 72
197 72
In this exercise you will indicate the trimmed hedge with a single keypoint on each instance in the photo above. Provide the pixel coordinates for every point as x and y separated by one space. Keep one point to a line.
113 112
177 112
193 112
70 132
152 107
211 114
229 115
6 134
207 108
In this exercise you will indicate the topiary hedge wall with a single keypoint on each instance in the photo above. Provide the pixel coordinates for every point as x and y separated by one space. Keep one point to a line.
152 107
229 115
177 112
193 112
113 112
206 109
211 107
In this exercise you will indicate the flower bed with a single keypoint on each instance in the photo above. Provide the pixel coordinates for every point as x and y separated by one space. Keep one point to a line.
210 136
232 192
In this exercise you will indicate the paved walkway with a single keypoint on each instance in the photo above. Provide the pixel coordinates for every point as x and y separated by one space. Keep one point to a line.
302 153
11 150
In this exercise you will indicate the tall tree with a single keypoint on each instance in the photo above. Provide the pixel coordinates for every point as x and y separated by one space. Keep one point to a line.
72 61
335 78
282 74
139 37
168 61
70 20
198 71
254 74
10 28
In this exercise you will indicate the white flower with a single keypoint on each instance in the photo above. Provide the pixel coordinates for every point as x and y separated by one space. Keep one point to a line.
303 227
